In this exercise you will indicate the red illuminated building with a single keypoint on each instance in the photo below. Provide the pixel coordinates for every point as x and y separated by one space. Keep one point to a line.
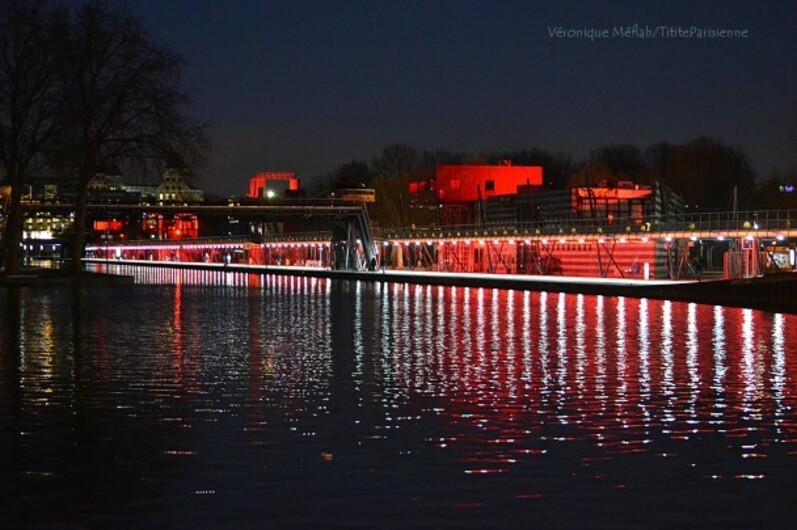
109 229
461 195
455 189
457 184
273 184
625 200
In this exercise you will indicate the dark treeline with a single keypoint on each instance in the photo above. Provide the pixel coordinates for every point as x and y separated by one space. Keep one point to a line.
704 171
83 90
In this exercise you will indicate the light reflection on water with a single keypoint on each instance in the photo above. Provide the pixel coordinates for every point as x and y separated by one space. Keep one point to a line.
209 397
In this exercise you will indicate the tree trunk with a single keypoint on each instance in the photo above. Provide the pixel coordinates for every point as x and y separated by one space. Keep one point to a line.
79 227
13 233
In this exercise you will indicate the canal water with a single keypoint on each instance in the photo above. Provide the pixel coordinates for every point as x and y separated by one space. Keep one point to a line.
222 400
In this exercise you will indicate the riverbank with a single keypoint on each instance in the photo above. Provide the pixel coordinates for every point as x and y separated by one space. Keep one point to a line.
774 293
31 277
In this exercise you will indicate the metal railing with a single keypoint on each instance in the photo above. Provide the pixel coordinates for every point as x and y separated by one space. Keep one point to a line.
699 223
762 220
324 236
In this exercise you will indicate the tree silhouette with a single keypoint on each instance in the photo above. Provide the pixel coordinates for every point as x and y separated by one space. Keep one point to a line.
391 184
704 172
557 168
123 104
31 64
396 159
625 161
354 174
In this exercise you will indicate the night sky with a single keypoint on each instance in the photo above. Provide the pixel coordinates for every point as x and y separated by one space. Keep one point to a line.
306 86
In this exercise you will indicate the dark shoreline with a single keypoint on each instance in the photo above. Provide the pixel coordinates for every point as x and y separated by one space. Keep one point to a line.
52 277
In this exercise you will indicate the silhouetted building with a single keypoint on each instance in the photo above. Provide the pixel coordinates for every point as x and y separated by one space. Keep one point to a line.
175 189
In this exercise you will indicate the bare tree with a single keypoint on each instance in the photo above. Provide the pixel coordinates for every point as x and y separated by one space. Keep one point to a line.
390 181
395 160
392 200
31 60
704 172
124 104
626 161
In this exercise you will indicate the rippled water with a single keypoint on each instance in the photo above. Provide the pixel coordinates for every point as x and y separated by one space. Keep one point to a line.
220 400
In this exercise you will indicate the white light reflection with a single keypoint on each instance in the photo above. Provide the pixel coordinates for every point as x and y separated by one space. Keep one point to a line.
457 335
718 379
748 367
481 324
779 370
495 324
667 359
509 359
424 357
359 350
387 340
581 349
402 354
439 332
644 352
544 343
622 354
466 331
527 364
417 357
561 355
600 351
692 359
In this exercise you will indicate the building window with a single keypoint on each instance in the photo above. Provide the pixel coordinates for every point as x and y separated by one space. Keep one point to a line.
489 185
454 184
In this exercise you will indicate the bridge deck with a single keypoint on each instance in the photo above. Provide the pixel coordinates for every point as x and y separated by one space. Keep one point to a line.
521 281
777 295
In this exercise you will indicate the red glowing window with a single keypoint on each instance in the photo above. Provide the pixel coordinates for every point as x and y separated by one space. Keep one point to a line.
454 184
102 226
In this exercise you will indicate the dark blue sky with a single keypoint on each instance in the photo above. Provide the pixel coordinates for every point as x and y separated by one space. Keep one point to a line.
306 86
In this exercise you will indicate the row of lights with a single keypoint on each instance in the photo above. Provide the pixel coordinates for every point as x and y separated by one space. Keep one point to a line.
510 241
291 245
440 243
778 238
166 247
545 241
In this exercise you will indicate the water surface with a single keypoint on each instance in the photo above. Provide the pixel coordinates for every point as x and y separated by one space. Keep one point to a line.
221 400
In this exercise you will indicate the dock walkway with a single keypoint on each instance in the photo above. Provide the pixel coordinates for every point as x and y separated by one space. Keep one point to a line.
777 292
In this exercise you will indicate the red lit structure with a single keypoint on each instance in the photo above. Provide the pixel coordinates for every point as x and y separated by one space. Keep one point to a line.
454 191
459 184
259 188
108 226
460 195
109 229
180 226
623 201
